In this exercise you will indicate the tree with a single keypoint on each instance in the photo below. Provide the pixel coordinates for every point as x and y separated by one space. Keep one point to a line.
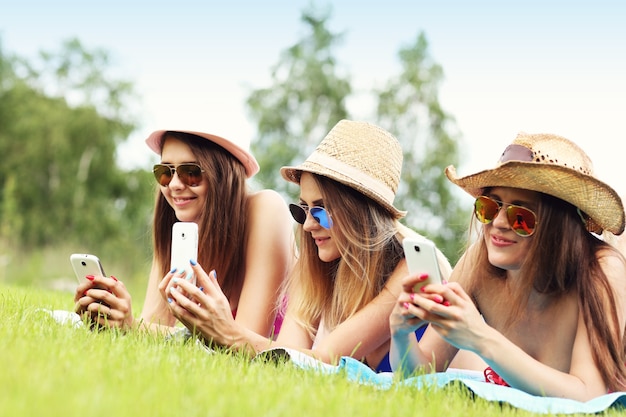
409 108
306 99
62 118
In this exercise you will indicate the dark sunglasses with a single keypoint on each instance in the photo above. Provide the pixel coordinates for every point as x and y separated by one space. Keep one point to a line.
320 214
522 220
189 174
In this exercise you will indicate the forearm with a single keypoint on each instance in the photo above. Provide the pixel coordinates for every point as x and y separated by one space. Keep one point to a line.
242 340
405 355
523 372
155 319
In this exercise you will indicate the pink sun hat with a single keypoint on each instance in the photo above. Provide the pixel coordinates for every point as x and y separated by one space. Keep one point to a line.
241 150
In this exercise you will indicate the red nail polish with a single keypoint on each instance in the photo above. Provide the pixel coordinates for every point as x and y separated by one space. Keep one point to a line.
422 289
113 278
446 303
406 305
423 277
90 277
412 297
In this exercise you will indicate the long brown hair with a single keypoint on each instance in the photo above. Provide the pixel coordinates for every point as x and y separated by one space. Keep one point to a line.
222 225
365 235
563 258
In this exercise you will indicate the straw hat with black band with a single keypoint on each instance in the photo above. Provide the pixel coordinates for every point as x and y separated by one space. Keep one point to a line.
360 155
556 166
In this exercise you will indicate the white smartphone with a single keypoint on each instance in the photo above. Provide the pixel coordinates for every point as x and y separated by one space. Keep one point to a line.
184 246
86 264
421 257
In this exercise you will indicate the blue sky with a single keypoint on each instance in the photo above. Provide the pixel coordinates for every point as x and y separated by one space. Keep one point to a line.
535 66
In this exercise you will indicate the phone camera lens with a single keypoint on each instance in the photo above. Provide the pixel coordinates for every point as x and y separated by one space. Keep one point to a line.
417 248
83 263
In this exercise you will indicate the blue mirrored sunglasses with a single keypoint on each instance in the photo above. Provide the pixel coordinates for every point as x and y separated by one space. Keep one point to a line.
320 214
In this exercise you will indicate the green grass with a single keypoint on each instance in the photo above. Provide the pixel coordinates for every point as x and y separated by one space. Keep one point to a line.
49 369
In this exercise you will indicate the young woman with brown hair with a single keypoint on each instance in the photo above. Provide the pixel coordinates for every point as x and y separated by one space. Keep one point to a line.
538 301
245 236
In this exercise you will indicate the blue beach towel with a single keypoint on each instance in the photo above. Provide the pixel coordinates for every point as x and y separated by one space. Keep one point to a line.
362 374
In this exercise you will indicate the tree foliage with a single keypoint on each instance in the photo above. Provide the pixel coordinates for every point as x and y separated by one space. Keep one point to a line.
61 119
307 98
409 107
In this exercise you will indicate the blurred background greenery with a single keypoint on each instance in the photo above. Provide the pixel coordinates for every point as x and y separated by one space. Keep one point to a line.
63 116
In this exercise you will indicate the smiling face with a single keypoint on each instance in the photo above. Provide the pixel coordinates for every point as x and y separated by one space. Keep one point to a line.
506 249
188 202
310 195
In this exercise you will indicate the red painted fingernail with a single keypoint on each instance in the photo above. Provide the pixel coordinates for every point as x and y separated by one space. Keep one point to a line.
422 289
406 305
90 277
412 297
424 276
446 303
114 279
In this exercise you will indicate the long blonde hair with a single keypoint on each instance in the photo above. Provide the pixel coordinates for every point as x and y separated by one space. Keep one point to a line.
222 226
365 235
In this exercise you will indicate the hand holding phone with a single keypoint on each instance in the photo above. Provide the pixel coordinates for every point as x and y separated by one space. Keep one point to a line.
184 247
421 257
86 264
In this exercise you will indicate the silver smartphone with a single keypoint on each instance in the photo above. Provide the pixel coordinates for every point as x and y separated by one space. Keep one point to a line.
86 264
184 246
421 257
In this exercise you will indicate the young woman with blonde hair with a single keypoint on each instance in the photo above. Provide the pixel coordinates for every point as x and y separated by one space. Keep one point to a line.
348 274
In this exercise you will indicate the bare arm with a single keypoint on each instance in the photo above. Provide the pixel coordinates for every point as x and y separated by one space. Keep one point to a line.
583 381
462 326
405 354
358 336
155 314
270 254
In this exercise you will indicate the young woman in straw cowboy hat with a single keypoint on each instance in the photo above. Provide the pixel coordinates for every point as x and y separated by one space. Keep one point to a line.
202 179
348 274
537 302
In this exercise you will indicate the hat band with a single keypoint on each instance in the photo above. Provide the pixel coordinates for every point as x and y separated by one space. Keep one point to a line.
516 153
368 182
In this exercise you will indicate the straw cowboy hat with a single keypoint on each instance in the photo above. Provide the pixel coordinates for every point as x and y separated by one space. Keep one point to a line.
556 166
360 155
238 150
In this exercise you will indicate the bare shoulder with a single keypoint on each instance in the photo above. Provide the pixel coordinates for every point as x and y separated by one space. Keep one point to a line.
266 200
268 215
